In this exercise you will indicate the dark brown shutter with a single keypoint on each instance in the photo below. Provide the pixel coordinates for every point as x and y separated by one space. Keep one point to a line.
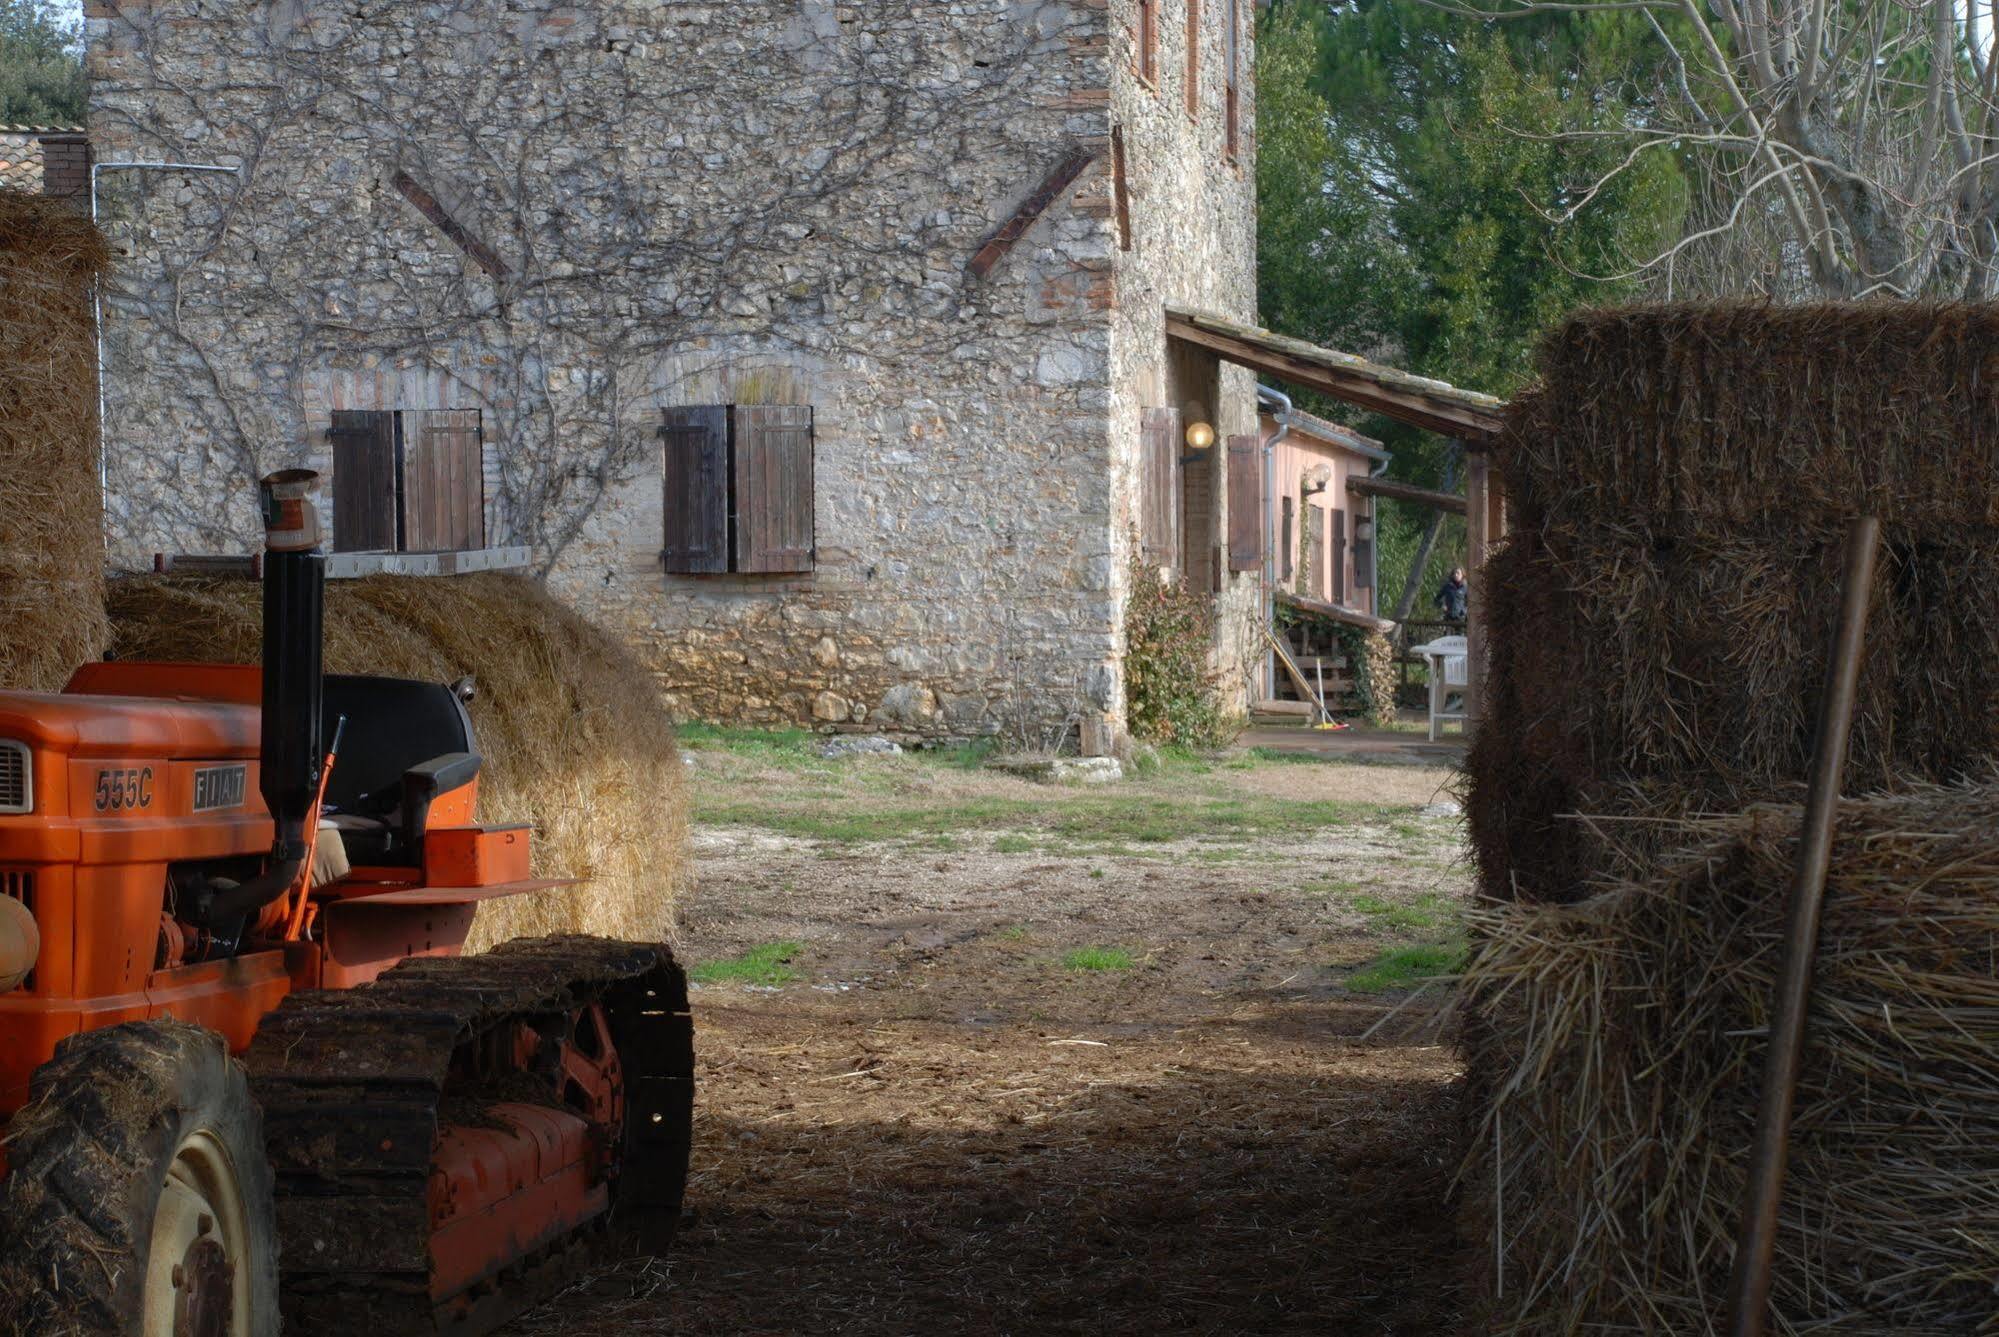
444 482
694 466
774 487
1194 58
1245 504
1363 555
1288 544
1232 78
1312 571
1159 485
364 480
1339 557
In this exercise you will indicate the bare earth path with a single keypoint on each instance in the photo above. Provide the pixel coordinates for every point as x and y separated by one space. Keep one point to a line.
945 1120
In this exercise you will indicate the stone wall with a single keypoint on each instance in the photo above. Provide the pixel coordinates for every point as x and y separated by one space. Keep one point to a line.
769 200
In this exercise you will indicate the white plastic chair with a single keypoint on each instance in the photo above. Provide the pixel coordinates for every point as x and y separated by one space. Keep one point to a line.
1449 671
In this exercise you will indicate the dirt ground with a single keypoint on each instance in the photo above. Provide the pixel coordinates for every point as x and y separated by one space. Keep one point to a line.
978 1055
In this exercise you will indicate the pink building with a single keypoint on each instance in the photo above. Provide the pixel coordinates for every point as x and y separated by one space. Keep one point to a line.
1320 536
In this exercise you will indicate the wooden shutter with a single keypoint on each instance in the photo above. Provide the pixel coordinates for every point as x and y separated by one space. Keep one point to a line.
1312 571
694 466
1232 78
1159 485
1338 560
364 480
1287 549
1245 503
1363 555
774 487
1194 58
444 481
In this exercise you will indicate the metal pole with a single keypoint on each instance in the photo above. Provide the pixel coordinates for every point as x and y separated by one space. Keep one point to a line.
1756 1241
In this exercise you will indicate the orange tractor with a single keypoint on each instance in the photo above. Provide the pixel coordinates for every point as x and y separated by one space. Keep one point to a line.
205 860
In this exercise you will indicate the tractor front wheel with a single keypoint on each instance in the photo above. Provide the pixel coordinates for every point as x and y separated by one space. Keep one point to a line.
137 1199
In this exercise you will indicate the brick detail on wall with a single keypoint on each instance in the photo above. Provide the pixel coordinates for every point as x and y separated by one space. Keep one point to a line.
66 166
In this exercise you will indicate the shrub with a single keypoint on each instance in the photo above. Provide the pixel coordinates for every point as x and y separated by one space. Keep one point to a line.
1171 687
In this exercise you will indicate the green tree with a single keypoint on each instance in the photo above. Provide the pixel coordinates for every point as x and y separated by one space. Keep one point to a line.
41 69
1421 178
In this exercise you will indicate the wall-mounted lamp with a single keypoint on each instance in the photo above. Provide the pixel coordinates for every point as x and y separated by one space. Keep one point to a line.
1200 433
1363 530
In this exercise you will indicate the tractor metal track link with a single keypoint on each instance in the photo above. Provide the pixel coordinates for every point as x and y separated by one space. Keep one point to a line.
356 1083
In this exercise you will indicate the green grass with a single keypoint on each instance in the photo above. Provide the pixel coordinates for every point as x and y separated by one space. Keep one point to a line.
1010 843
1097 958
1424 912
1284 756
768 964
1013 933
1107 820
1406 967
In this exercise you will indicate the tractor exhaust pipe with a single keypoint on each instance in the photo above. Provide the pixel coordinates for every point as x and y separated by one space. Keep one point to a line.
294 625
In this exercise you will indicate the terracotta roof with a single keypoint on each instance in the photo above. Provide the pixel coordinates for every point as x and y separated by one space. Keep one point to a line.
1433 405
20 160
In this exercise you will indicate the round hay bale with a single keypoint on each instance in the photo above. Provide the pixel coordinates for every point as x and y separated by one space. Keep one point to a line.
51 524
570 725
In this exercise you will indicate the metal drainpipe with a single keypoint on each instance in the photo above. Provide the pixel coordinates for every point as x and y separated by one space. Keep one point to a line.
97 314
1282 402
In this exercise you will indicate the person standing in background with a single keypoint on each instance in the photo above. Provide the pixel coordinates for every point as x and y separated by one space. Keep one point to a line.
1452 595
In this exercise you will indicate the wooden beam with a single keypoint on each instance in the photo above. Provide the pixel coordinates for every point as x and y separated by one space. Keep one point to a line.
1422 496
1334 612
1474 425
1015 228
1297 675
426 204
1478 539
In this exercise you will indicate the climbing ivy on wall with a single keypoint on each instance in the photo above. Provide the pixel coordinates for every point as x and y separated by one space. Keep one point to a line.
1172 689
1371 661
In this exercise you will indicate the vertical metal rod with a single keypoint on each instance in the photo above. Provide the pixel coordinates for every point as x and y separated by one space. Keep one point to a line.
1756 1241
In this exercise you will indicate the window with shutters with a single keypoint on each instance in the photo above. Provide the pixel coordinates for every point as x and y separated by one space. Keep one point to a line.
408 480
737 488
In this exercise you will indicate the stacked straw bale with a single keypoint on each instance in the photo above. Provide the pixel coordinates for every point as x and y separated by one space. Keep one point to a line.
569 724
51 527
1680 482
1618 1137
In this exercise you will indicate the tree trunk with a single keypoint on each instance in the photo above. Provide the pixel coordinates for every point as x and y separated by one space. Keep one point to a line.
1413 586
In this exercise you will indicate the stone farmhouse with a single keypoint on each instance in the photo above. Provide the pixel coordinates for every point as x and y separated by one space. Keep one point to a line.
819 346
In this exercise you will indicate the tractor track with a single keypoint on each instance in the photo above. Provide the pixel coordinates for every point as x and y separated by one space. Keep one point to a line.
355 1084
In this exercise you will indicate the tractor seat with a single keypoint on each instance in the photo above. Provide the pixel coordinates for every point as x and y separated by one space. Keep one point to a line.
404 743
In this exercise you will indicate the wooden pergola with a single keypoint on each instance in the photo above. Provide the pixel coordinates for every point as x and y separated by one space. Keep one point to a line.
1472 419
